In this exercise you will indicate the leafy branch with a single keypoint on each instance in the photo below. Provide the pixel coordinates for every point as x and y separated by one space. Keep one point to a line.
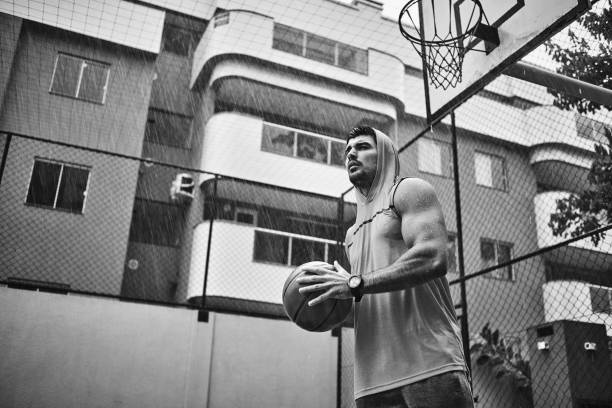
579 60
503 355
582 213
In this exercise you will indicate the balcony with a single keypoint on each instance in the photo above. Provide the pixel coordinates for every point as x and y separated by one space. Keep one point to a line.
559 167
248 263
578 301
551 125
245 37
277 164
580 254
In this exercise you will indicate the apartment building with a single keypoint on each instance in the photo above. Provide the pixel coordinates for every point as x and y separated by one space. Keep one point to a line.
258 98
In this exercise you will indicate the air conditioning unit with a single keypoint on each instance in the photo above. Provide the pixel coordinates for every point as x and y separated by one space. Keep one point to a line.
182 188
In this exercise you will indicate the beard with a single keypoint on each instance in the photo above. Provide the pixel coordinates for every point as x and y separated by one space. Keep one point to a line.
360 180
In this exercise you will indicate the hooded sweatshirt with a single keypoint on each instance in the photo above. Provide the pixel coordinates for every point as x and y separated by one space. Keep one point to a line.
402 336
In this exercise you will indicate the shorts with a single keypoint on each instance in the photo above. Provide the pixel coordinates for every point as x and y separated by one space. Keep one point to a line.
446 390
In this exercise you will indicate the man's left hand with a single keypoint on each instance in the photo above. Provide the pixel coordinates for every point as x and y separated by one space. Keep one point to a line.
333 284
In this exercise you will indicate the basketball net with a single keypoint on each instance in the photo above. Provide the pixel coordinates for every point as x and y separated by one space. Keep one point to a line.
441 33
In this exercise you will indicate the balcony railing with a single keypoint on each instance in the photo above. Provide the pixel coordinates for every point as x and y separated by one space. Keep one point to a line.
248 262
291 249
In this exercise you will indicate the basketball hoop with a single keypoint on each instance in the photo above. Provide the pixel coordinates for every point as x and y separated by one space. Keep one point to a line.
442 34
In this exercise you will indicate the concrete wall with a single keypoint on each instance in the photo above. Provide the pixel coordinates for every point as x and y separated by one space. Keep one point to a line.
72 351
155 276
29 107
38 243
87 250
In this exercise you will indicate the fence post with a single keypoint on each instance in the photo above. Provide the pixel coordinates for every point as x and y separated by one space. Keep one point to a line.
209 244
465 333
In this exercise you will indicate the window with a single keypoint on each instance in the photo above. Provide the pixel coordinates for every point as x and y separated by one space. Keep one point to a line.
601 300
166 128
156 223
291 249
288 39
305 250
246 216
490 171
289 142
319 48
271 247
312 147
58 185
435 157
493 253
179 40
451 253
80 78
352 58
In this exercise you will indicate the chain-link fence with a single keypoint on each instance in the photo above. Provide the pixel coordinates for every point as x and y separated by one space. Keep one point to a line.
524 190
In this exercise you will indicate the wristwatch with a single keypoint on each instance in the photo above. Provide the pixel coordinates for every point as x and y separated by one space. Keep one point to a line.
355 284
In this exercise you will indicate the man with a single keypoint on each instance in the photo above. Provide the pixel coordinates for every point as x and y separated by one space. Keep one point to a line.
408 350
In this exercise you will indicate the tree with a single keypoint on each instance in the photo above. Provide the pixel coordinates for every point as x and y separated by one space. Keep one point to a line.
579 61
582 213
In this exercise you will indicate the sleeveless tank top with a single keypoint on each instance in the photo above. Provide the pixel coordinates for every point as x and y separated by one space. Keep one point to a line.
402 336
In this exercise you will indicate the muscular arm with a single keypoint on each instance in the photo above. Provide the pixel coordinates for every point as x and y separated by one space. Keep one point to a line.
424 233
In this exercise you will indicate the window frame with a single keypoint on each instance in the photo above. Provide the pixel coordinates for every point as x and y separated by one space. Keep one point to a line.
506 183
494 274
63 164
83 60
295 132
451 165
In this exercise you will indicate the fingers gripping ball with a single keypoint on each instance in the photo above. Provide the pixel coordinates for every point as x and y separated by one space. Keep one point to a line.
319 318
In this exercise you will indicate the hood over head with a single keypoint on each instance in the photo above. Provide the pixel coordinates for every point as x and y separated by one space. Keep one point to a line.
387 170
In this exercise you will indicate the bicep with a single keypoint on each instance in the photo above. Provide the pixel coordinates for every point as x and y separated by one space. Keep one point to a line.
421 213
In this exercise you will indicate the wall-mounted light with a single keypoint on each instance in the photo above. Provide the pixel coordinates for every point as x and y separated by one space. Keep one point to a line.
543 345
590 346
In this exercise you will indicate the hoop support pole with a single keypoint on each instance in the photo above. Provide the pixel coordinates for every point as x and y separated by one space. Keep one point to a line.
571 86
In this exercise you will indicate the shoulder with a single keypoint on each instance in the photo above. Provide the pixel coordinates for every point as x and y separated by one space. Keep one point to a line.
349 233
413 194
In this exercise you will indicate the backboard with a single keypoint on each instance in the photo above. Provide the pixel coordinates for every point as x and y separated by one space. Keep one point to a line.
522 25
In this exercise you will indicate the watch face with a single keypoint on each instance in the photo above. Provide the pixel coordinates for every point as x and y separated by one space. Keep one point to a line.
354 282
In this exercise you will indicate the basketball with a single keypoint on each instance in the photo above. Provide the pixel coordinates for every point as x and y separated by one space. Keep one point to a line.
319 318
